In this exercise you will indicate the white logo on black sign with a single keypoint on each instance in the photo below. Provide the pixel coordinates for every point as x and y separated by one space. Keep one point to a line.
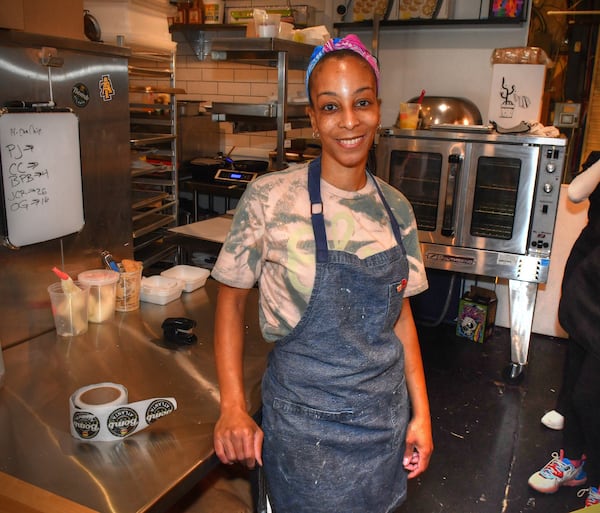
80 95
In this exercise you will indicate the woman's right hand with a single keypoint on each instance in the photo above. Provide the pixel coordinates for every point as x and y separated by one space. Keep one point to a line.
237 438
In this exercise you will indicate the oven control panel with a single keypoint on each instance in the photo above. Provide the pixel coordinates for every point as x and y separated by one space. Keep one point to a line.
550 171
234 176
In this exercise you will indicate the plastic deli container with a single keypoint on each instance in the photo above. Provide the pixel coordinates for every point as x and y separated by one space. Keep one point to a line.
69 308
192 277
103 286
128 290
160 290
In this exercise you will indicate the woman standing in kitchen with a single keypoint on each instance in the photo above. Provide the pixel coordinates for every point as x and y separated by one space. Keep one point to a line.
335 253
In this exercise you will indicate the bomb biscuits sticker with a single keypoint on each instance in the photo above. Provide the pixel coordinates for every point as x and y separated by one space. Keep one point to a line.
157 409
86 424
114 419
123 421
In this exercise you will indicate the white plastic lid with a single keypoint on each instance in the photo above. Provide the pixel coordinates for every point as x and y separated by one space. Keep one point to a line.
98 277
186 272
161 285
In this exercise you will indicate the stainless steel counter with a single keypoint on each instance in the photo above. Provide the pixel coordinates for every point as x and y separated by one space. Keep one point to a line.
151 469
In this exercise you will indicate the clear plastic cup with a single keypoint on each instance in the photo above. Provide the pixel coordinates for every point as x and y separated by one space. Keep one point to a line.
102 297
267 25
409 115
70 310
128 291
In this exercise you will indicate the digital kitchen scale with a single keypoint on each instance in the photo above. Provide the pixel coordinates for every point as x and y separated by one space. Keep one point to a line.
235 176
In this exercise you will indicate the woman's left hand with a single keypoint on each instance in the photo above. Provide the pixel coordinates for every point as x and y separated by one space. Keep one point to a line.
419 447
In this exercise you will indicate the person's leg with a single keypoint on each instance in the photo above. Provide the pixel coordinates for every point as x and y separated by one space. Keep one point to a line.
574 435
570 371
555 419
565 468
567 384
586 405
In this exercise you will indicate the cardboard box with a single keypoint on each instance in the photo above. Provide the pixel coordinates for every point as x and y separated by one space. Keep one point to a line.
11 15
140 23
516 94
60 19
477 314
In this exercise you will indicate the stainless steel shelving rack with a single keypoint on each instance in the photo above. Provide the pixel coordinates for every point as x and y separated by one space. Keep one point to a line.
280 115
153 140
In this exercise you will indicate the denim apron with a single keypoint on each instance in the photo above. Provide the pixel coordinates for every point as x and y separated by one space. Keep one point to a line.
335 404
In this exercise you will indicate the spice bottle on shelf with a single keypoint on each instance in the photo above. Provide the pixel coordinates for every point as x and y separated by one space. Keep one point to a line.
195 13
182 12
213 11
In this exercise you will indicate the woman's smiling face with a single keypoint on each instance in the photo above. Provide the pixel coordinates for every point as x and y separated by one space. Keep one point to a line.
344 110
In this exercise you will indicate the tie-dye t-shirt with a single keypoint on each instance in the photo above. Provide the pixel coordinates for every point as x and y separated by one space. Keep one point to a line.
271 240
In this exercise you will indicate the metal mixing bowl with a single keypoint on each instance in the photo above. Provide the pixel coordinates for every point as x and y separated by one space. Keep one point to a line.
436 110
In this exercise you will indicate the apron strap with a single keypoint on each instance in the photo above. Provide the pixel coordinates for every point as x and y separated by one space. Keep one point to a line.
316 209
393 220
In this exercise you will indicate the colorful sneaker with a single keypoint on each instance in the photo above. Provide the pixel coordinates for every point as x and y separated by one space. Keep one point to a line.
556 473
593 497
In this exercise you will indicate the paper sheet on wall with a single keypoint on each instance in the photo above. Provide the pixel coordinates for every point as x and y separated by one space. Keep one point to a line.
41 176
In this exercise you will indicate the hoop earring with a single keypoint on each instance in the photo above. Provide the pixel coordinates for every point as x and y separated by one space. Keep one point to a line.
315 134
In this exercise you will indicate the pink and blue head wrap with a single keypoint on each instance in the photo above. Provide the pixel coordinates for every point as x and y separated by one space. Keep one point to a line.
350 42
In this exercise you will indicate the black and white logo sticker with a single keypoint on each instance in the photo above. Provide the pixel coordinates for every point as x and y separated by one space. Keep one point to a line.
123 421
80 95
157 409
86 424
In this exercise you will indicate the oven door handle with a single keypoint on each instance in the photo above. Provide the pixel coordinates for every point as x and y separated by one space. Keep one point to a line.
454 166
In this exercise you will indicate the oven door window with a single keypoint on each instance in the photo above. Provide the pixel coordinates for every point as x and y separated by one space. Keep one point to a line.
495 197
417 175
497 210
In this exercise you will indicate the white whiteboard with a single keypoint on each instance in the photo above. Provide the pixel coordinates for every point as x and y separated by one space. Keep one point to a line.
41 176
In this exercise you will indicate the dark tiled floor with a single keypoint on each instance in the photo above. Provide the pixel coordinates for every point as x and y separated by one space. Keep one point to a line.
487 434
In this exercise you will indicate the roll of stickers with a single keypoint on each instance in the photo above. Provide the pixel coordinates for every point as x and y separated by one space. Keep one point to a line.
101 413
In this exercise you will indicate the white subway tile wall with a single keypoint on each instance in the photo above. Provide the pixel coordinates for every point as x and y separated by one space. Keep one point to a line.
212 81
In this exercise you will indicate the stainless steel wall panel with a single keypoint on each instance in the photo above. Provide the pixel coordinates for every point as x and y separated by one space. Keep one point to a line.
76 77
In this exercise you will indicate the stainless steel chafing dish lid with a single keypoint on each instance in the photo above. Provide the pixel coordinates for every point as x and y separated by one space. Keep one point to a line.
436 110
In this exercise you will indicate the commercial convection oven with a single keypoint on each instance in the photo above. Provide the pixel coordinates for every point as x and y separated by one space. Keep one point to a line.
485 204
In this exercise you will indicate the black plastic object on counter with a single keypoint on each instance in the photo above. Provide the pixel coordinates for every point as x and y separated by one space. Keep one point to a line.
178 330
